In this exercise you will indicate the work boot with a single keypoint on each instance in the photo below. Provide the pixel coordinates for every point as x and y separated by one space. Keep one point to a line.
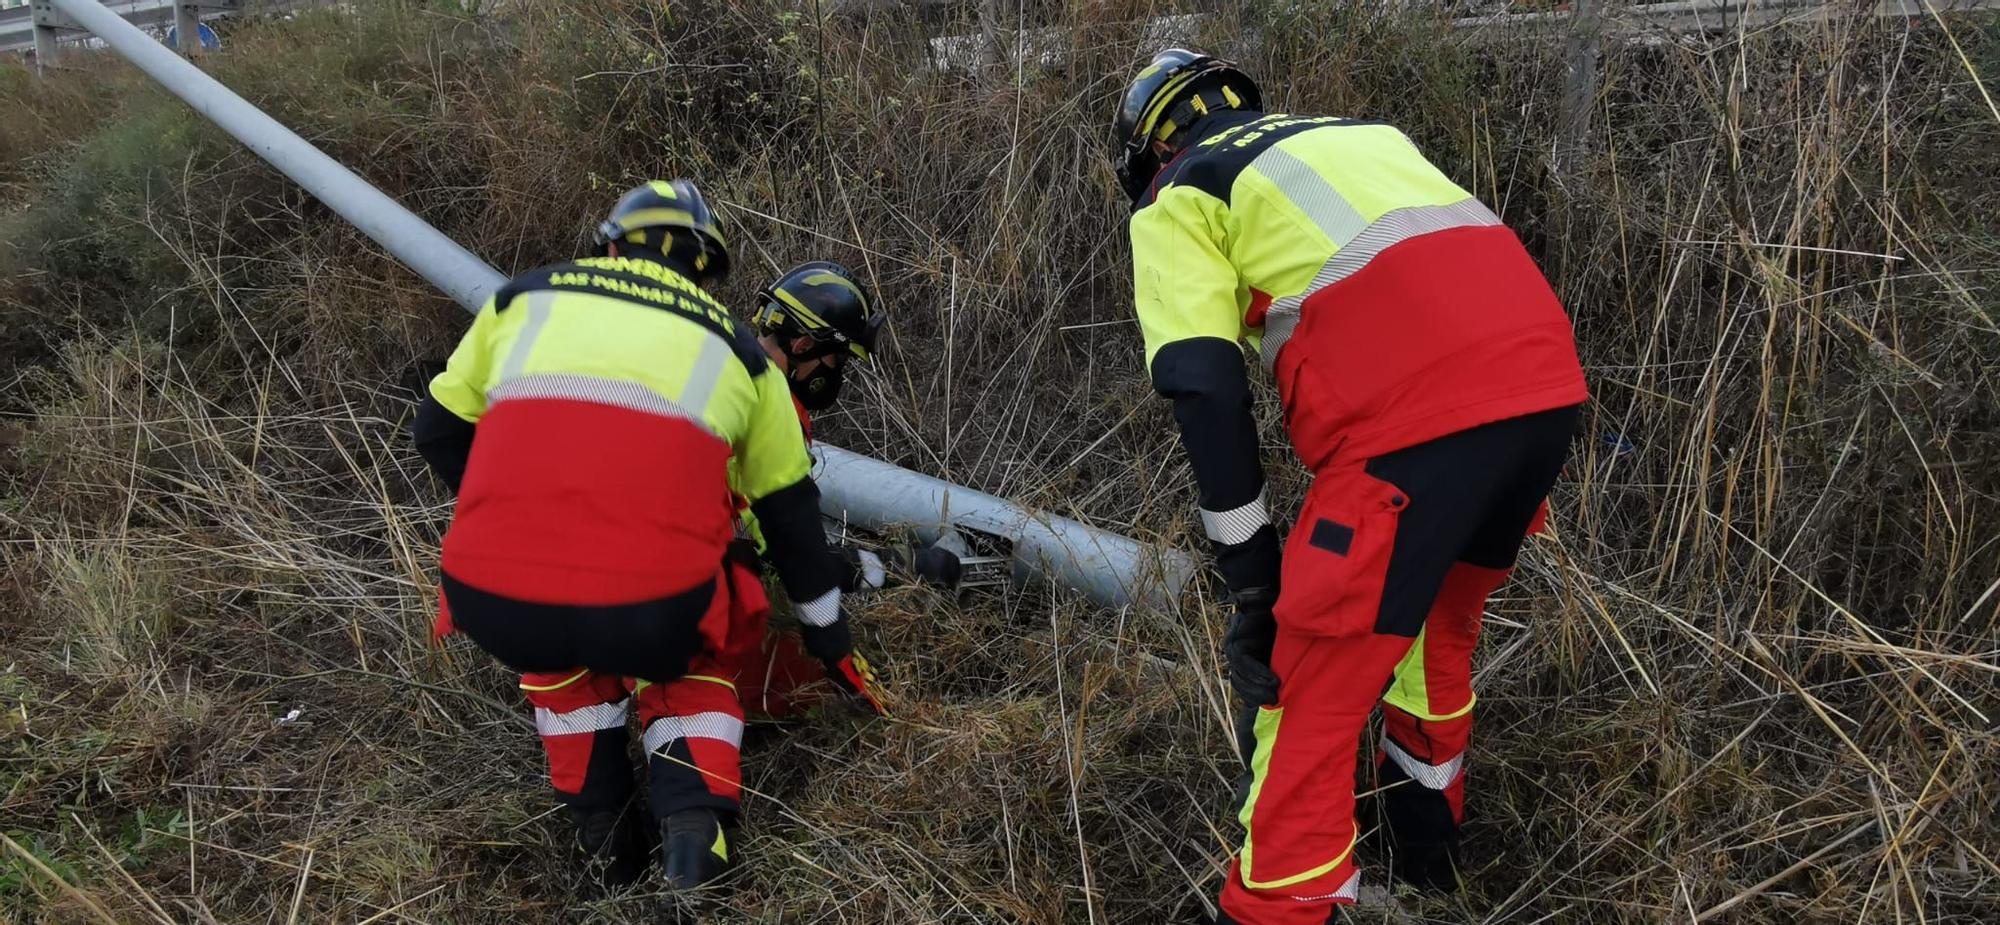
613 843
696 847
1416 832
1422 843
1431 867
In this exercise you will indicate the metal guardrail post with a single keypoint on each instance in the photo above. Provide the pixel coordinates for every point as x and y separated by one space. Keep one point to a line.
1113 570
45 48
49 23
187 22
187 28
1580 83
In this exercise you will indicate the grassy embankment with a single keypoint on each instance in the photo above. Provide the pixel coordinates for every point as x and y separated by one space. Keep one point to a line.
1750 677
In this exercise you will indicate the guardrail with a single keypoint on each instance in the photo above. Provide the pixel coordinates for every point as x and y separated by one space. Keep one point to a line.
1639 19
1634 22
41 24
1113 570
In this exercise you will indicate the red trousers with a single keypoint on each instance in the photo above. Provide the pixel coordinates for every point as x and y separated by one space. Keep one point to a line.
1298 850
693 731
1385 577
691 726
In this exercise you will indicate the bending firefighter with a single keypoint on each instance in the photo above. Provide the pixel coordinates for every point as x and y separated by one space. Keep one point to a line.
599 422
1429 379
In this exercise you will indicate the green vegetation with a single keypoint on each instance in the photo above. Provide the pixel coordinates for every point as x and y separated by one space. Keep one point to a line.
1750 677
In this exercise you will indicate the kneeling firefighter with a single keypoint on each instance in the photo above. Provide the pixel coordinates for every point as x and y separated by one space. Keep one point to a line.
1429 379
599 422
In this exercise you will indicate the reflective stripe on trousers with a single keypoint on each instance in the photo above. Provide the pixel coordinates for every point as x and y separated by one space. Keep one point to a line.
711 725
1433 776
583 719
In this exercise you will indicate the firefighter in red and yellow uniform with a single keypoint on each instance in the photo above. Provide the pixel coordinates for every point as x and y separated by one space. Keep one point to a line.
1428 378
599 422
813 321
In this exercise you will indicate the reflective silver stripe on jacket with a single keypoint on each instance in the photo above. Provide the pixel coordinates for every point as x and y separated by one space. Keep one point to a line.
1312 194
615 392
1236 525
538 304
710 363
1356 243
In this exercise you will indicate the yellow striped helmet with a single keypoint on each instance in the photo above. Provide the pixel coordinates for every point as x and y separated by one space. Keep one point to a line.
821 300
673 218
1172 93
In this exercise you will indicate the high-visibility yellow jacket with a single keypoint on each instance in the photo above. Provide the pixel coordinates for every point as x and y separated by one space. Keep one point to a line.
620 412
746 520
1392 306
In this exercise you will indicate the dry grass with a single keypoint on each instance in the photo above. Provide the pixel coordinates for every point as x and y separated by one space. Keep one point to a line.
1750 678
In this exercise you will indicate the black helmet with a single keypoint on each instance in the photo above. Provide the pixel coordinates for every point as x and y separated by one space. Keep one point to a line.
823 301
673 218
1172 93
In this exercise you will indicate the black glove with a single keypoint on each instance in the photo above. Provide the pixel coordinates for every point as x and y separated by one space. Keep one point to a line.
1247 649
930 564
1252 566
741 551
834 647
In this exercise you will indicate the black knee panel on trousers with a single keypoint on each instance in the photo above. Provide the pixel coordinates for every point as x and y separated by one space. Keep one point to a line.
1471 496
677 783
608 780
1419 829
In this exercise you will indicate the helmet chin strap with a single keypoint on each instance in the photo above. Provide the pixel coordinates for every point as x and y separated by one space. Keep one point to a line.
818 390
796 358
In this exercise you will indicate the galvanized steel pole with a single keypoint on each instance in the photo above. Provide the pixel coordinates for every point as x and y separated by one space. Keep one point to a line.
1112 570
467 279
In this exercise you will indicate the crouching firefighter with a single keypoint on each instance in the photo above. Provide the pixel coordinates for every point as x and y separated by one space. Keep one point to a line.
1428 378
813 321
598 423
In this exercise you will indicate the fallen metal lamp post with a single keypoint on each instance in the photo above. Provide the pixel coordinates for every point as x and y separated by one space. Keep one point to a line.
1112 570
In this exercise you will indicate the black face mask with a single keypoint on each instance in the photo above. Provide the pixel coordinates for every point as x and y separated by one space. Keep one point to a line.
819 389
